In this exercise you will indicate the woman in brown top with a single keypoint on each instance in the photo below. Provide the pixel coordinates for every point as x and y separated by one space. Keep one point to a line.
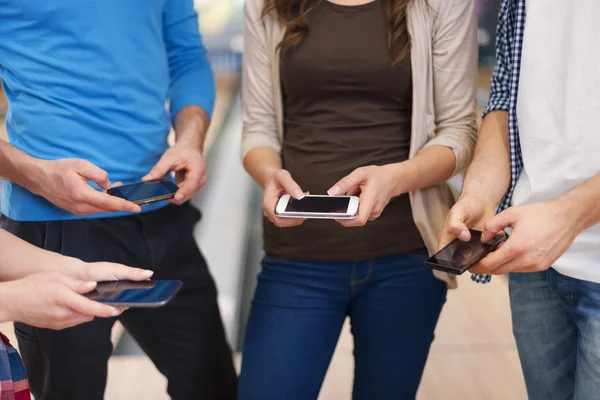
346 70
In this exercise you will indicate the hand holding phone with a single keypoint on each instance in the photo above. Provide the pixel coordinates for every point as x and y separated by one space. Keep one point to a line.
278 184
145 192
459 256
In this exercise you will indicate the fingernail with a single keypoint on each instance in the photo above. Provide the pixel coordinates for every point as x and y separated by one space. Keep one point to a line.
114 312
147 273
89 285
334 191
464 236
298 194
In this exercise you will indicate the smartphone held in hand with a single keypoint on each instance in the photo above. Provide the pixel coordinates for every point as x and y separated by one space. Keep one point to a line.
459 256
146 192
138 294
318 207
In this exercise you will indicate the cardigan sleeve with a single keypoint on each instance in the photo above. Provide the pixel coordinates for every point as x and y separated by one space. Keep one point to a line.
258 102
454 58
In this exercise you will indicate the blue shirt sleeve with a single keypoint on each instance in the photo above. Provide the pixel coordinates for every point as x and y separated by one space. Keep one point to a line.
192 81
501 76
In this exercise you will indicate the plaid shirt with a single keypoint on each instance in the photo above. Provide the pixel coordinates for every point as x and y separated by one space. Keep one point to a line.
13 381
505 88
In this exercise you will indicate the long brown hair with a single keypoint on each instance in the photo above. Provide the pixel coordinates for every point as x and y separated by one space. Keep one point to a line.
293 14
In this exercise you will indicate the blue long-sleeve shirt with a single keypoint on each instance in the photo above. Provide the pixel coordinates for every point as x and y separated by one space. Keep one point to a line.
91 79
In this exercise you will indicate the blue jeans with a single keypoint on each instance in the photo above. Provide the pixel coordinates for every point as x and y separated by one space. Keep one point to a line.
556 322
298 311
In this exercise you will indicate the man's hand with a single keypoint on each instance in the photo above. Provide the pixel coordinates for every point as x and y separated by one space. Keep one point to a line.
375 186
540 235
187 161
51 300
469 212
65 183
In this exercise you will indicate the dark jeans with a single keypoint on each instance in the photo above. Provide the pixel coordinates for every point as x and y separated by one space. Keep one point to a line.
185 339
298 311
556 322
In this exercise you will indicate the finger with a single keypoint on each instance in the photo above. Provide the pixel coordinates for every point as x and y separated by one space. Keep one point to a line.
162 168
85 306
114 185
93 173
271 197
347 183
107 202
355 191
80 286
505 219
189 187
515 265
288 222
496 259
366 201
105 271
289 185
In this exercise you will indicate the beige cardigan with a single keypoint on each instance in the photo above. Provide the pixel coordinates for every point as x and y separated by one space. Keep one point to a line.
444 64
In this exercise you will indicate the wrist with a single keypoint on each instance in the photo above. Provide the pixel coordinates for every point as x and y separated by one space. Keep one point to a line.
571 212
35 173
191 140
398 178
7 301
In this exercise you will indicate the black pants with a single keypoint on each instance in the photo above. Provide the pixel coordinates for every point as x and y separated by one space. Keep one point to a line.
185 339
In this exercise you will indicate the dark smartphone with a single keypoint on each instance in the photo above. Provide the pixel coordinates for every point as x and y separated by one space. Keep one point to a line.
146 192
148 294
459 256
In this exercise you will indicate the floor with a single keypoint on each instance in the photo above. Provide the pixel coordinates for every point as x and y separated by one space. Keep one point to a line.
473 357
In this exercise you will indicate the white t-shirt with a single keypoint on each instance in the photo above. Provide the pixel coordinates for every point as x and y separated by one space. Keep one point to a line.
558 114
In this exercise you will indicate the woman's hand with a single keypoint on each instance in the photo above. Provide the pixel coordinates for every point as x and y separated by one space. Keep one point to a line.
51 300
102 271
375 186
278 184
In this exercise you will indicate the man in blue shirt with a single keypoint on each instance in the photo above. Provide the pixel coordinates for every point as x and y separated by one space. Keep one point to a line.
88 84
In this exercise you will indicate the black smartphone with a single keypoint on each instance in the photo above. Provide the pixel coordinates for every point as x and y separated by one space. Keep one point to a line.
146 192
147 294
459 256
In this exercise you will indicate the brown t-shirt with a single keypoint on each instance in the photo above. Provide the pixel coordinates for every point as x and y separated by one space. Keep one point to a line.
345 106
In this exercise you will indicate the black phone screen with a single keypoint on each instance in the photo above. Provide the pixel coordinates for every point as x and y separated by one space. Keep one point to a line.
317 204
134 293
144 190
459 254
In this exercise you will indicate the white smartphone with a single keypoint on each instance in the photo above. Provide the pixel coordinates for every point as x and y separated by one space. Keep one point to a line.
318 207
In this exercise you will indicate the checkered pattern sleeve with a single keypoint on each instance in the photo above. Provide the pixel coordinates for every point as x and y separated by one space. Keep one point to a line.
500 83
505 88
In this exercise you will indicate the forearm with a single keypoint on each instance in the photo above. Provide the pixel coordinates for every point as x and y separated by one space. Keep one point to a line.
191 125
582 204
261 163
18 167
19 259
433 165
488 176
6 298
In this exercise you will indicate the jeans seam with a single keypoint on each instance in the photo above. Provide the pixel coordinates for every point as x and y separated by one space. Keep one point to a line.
367 277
